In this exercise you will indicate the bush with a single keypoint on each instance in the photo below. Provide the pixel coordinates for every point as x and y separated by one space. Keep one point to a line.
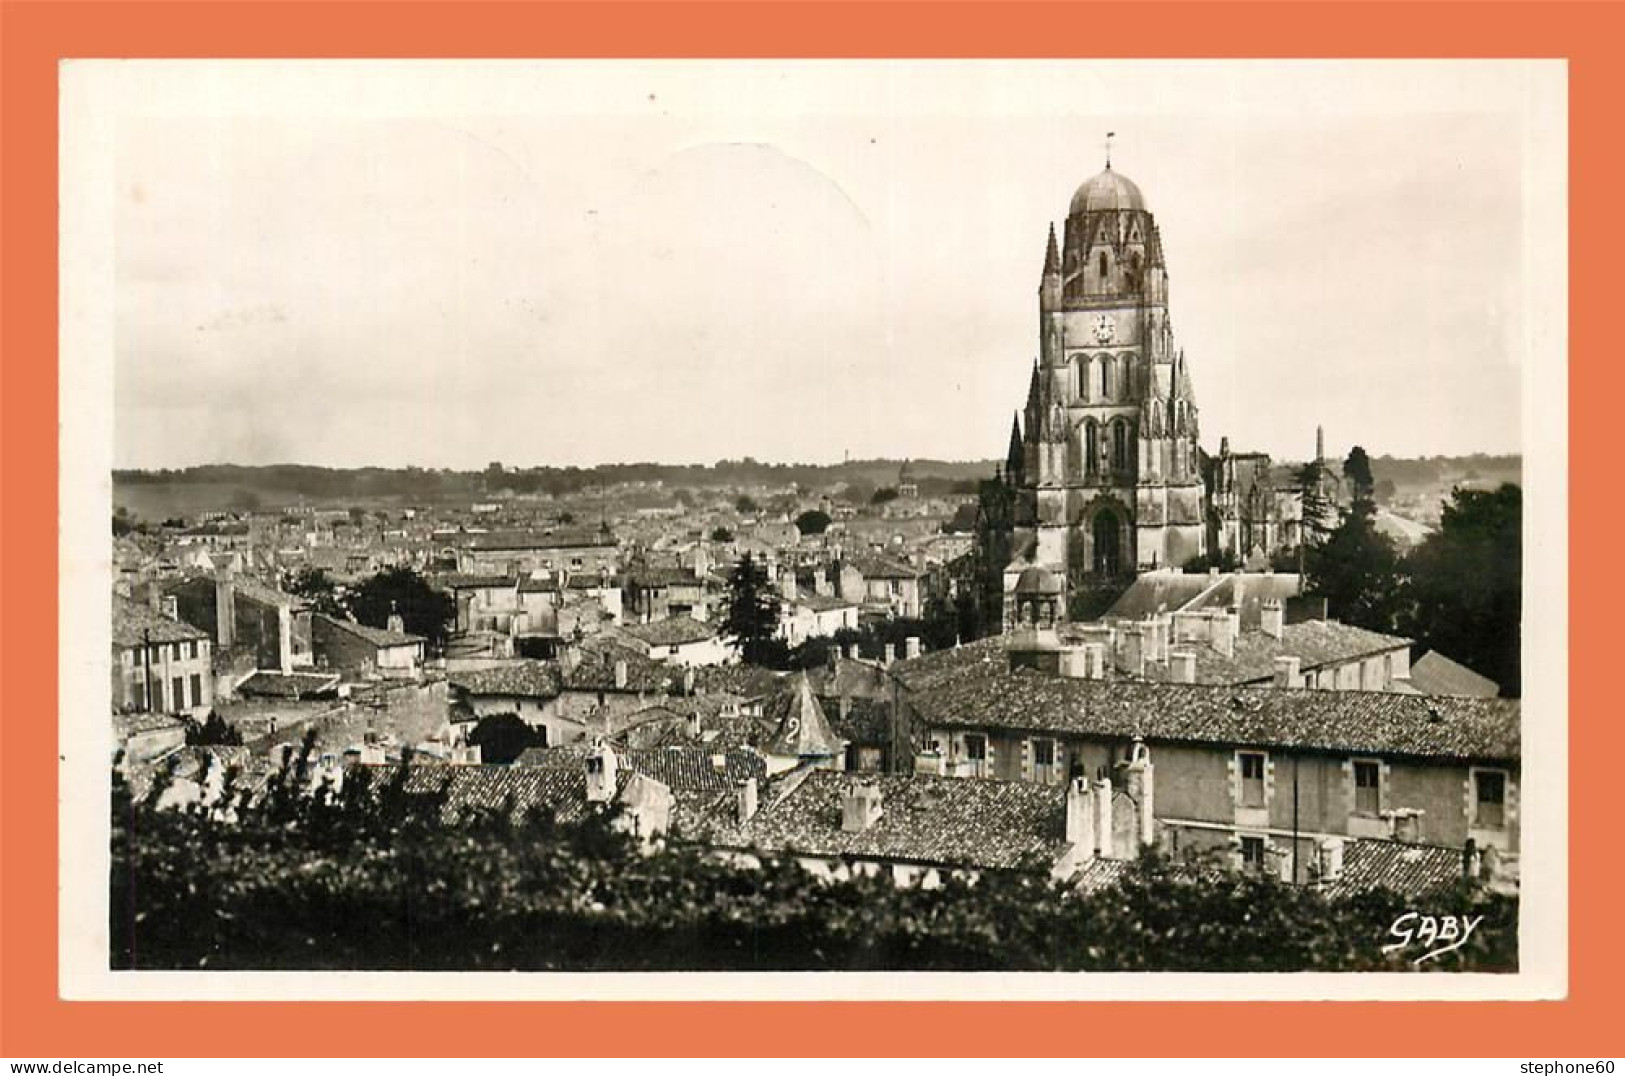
370 878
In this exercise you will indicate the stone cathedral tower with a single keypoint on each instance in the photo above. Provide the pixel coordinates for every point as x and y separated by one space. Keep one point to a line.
1104 466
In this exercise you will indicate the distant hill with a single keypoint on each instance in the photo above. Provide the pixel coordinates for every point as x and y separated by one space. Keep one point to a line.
233 487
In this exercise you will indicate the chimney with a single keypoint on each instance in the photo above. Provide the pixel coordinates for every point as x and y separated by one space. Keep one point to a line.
1221 632
1141 790
171 607
1103 819
696 728
620 674
396 623
912 646
570 657
601 766
1407 825
1074 663
1156 638
1331 859
225 612
1094 657
860 807
688 686
1182 667
1080 817
1286 672
1131 650
1271 618
747 800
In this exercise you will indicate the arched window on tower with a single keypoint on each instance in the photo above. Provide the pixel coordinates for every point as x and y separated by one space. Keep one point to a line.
1119 446
1105 377
1091 447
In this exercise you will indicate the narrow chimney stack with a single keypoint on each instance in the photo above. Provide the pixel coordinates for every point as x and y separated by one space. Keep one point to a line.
1331 859
1080 817
171 607
620 673
747 800
1182 666
861 807
1286 672
1272 618
1103 819
912 646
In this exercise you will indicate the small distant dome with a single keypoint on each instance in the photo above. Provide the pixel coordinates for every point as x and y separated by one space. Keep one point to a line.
1107 191
1037 580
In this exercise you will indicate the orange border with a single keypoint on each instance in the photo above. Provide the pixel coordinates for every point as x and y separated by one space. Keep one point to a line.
33 36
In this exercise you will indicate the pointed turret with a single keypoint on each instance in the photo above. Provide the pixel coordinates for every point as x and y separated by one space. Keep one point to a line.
1052 254
801 731
1015 458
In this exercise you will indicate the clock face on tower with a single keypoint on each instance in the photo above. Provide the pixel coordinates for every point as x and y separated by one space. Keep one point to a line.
1105 328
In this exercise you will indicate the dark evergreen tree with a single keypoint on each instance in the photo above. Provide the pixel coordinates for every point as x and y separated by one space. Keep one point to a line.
317 588
1357 570
1467 585
425 611
1357 472
752 619
215 731
812 522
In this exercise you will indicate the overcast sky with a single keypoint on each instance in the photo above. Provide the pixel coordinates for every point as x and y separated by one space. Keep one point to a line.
445 264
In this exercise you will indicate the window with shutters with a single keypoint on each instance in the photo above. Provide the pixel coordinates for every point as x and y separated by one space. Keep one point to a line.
1251 764
1489 795
177 694
197 689
1367 787
1045 770
976 754
1252 854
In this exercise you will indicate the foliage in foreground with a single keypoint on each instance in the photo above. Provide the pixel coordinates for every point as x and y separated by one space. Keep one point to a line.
369 878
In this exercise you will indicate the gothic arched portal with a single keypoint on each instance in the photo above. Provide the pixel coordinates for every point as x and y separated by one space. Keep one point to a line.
1107 533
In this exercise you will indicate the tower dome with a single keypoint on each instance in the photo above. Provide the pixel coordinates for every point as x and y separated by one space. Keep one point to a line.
1107 191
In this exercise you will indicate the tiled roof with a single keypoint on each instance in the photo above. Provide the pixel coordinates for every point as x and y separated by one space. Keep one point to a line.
1411 869
662 577
1435 674
1314 642
672 631
800 729
943 821
874 566
375 636
522 679
596 672
136 624
939 666
559 539
1152 592
691 768
1247 592
1380 723
745 681
268 683
822 603
142 723
257 591
563 790
475 581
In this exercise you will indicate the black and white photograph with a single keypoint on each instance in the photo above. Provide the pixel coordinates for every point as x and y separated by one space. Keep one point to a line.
654 526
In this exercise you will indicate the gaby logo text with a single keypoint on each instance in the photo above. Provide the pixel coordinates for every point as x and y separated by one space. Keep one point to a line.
1435 935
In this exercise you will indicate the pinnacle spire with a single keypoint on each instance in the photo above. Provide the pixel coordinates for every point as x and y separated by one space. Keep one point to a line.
1015 457
1052 256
